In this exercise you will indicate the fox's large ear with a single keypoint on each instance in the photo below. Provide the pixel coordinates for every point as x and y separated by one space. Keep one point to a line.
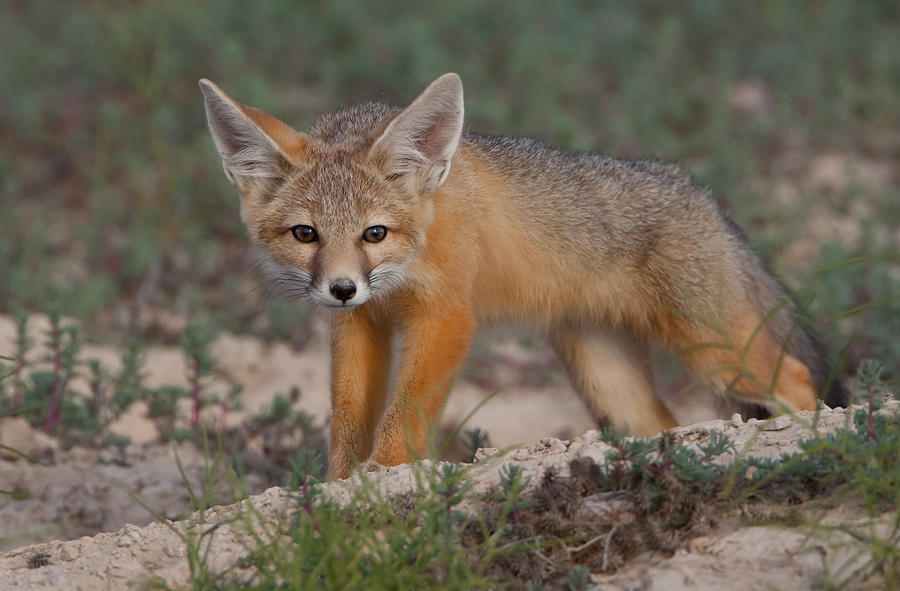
251 143
422 139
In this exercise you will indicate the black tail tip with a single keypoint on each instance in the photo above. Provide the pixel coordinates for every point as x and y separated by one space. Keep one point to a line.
837 395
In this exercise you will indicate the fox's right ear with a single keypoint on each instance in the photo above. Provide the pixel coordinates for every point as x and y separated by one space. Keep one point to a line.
251 143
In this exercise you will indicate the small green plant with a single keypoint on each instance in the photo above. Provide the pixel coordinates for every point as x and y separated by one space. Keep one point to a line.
64 345
129 382
195 341
473 440
163 403
23 345
162 409
294 441
42 392
307 466
579 578
871 381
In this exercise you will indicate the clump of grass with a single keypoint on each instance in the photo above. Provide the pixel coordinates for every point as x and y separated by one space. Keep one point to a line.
63 345
23 344
292 441
43 393
42 390
412 541
164 402
197 537
195 341
281 444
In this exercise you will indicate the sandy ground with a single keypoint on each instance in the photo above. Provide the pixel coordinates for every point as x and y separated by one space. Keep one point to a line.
532 411
524 377
528 398
748 558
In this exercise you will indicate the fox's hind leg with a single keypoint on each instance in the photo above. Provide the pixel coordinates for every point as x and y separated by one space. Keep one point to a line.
610 370
741 357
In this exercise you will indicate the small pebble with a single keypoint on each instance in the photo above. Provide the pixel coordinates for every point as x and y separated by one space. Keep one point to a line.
779 423
553 445
810 560
483 453
700 544
590 436
594 452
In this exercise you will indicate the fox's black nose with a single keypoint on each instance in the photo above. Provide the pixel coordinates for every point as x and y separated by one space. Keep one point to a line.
343 289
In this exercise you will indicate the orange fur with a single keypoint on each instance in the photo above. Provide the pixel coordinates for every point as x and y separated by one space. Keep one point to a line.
605 256
360 373
427 368
743 359
292 142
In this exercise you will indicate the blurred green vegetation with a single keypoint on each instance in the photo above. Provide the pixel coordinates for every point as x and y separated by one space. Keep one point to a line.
114 204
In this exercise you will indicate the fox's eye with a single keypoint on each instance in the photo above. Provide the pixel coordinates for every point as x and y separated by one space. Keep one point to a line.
305 233
375 234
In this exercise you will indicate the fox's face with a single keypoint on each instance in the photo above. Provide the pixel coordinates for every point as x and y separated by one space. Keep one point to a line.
340 233
342 215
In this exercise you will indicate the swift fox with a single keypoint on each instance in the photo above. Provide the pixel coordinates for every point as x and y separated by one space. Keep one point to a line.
416 233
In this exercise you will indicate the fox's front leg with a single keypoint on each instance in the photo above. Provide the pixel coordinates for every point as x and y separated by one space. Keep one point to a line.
434 347
360 369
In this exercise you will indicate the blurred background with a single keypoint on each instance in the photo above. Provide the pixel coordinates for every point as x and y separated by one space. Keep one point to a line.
115 214
115 209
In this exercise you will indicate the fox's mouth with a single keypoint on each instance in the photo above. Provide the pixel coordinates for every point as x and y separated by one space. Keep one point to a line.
335 304
338 308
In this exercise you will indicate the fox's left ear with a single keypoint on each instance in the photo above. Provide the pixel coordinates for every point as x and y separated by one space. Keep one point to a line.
422 139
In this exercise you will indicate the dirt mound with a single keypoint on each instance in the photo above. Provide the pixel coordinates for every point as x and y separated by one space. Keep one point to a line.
748 558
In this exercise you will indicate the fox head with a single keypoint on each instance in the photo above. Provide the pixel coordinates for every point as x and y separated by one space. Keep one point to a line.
342 211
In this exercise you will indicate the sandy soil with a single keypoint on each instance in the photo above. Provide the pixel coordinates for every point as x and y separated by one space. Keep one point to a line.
748 558
528 398
525 376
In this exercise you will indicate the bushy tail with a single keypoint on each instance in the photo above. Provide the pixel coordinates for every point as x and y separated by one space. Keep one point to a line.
790 325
